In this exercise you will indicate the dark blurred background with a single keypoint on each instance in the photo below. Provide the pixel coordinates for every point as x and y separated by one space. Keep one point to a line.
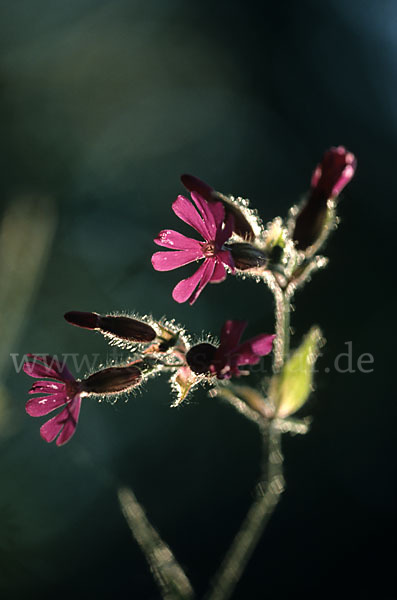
102 106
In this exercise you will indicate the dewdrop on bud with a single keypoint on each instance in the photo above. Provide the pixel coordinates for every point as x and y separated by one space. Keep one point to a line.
123 328
112 380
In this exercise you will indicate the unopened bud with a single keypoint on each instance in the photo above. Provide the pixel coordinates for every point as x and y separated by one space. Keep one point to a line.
241 224
200 357
112 380
124 328
246 256
329 178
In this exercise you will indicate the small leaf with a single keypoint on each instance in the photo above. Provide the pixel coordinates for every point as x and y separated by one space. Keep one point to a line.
291 388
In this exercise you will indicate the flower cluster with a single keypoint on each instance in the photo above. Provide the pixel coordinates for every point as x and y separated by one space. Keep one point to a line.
233 240
158 347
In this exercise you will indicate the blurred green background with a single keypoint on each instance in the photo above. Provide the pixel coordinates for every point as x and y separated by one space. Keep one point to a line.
102 106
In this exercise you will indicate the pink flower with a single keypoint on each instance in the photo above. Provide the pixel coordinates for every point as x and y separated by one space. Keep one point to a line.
208 219
67 392
224 361
63 392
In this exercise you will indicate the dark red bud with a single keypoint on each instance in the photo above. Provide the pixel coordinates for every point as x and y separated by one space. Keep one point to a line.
328 180
200 357
128 329
246 256
123 328
112 380
241 225
88 320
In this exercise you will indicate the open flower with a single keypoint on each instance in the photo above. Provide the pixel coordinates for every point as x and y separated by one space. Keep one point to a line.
224 361
63 392
208 219
67 392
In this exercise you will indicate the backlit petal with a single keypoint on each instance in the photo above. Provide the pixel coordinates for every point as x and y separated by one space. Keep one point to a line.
219 273
44 365
64 423
230 335
185 210
226 257
71 423
185 288
38 407
225 232
168 238
206 213
167 261
209 266
249 352
47 387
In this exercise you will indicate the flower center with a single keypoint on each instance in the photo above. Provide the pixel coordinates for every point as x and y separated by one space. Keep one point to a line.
209 249
72 389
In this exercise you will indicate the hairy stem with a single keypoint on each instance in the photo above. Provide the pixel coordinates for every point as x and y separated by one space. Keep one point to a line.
270 485
281 342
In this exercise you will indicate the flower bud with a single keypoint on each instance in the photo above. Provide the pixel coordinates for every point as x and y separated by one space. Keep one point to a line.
200 357
123 328
328 180
242 226
112 380
246 256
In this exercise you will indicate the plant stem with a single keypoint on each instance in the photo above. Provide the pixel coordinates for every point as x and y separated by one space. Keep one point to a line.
281 343
254 523
271 484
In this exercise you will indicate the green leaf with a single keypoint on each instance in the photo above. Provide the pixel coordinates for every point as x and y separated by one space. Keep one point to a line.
291 388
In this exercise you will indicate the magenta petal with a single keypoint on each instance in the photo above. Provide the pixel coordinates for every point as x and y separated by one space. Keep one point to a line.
54 365
226 257
250 352
47 387
71 423
261 344
223 234
209 266
219 273
167 261
185 210
218 211
168 238
204 209
66 419
35 369
51 428
230 335
38 407
185 288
